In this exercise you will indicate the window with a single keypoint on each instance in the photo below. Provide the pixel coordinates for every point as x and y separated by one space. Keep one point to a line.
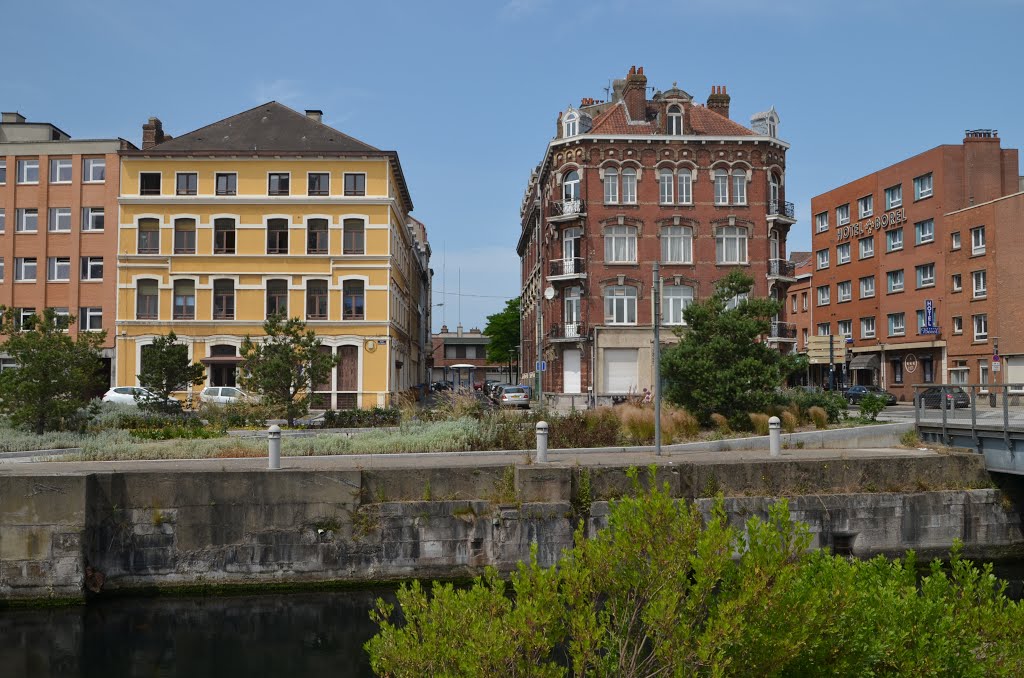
278 183
25 269
867 328
3 220
866 206
571 124
731 245
147 300
352 237
845 328
675 120
774 194
843 253
352 300
955 240
226 183
2 271
894 240
184 236
897 324
620 305
924 231
983 372
958 324
277 236
184 300
980 327
58 269
894 280
224 236
677 244
923 186
735 301
844 291
28 171
277 298
186 183
674 300
26 220
94 170
824 295
721 187
824 329
355 184
92 268
316 236
980 284
793 306
318 183
739 187
149 236
925 275
3 171
685 187
897 370
90 318
843 215
620 244
61 317
822 259
920 322
92 218
223 299
60 171
25 318
957 282
867 247
821 222
867 287
60 220
316 300
666 187
611 185
629 186
803 300
571 187
978 240
149 183
893 196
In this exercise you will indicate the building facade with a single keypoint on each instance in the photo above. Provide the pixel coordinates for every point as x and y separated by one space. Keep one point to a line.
629 182
460 358
58 225
272 212
890 271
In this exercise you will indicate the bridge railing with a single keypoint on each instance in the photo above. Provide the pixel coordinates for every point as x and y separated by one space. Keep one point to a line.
978 407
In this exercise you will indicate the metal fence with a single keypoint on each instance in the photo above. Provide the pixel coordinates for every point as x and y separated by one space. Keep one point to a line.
978 407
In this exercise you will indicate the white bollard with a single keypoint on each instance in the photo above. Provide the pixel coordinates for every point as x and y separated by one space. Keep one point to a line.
774 436
274 445
542 441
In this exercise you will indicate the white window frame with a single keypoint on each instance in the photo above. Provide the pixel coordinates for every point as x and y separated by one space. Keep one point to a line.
24 166
980 290
844 328
739 187
824 295
894 197
978 240
674 300
844 291
821 222
677 244
957 282
89 215
920 320
3 220
843 215
89 166
21 223
923 186
675 120
925 274
666 186
58 269
56 216
620 240
867 327
629 185
725 236
685 181
611 186
822 258
3 172
721 187
22 266
571 124
842 253
866 247
824 329
958 324
895 281
867 287
89 314
57 167
954 240
980 322
897 324
924 231
620 302
89 269
865 206
894 240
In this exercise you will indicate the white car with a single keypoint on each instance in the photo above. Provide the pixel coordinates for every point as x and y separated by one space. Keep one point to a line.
131 395
222 395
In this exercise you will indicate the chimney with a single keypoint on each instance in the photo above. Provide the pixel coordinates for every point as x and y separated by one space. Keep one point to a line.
315 115
635 94
11 118
718 100
152 133
458 329
444 329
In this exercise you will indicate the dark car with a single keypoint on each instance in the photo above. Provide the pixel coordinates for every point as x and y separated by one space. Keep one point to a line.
441 386
854 394
954 397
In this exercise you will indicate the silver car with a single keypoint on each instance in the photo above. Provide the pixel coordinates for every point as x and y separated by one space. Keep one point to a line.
222 395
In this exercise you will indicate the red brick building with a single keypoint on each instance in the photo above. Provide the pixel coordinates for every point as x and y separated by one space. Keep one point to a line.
460 358
886 251
629 182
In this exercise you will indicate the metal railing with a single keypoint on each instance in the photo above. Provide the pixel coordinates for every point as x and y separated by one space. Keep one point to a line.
987 408
782 268
568 331
570 266
782 208
782 330
564 208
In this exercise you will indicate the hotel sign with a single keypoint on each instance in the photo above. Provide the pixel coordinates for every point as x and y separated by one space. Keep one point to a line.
883 222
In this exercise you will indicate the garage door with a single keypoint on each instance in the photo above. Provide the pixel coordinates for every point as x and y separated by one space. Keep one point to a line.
1014 366
620 370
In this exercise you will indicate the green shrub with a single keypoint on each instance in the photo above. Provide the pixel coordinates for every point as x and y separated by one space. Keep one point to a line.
759 422
871 405
374 417
910 439
585 428
819 416
832 403
740 421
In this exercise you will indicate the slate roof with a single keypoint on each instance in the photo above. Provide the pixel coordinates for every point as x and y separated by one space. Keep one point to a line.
703 121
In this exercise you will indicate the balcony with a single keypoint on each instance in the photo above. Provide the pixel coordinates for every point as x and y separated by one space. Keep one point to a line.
571 331
781 269
782 331
564 210
780 209
567 269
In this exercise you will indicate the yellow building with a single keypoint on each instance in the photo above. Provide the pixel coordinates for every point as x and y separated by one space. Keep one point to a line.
271 211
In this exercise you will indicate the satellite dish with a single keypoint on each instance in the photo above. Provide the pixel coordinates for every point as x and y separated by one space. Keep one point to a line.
549 293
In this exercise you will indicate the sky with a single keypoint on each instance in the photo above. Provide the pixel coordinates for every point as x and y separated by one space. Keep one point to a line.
468 93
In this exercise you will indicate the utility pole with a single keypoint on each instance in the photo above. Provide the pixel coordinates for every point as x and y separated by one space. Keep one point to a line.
831 363
656 321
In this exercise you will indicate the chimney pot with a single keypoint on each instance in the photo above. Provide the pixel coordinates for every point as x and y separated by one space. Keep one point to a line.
314 114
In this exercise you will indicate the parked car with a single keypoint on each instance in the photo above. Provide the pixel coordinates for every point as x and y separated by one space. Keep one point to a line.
222 395
854 394
441 386
489 386
496 391
513 396
132 395
955 397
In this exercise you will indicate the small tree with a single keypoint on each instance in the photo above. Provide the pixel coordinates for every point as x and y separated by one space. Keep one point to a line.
55 376
166 368
285 365
871 405
503 329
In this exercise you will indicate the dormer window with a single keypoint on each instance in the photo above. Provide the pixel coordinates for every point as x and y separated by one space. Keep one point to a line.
675 120
571 124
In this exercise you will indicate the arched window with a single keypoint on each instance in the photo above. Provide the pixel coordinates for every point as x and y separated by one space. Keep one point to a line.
353 300
685 187
316 236
773 193
572 312
674 300
739 187
611 186
147 300
353 241
316 300
620 305
721 187
570 124
184 236
675 120
149 236
184 300
666 187
629 186
677 244
277 298
224 299
731 245
620 244
571 187
224 236
277 236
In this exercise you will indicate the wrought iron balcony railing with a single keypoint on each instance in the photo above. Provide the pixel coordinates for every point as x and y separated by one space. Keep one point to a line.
782 330
569 266
781 268
782 208
569 330
565 208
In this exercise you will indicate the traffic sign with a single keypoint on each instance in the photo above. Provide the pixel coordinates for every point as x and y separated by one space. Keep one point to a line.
542 365
995 358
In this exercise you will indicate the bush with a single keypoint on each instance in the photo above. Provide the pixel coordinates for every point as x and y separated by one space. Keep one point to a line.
871 405
720 423
740 421
585 428
833 404
374 417
450 405
910 439
759 422
678 424
789 421
637 423
819 417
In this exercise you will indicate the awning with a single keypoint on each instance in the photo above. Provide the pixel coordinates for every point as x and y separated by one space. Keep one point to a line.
864 361
221 360
461 367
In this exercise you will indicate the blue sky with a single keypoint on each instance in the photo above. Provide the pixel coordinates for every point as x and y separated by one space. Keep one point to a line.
468 92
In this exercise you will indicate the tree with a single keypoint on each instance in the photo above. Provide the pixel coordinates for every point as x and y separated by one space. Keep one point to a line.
285 365
503 329
669 589
721 363
55 377
166 368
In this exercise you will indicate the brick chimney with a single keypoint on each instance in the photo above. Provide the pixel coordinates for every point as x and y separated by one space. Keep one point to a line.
152 133
635 94
718 100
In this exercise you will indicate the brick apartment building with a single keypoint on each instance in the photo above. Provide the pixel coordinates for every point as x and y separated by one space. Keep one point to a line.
58 224
895 243
628 182
460 358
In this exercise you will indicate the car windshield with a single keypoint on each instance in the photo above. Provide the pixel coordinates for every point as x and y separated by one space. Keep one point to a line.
515 389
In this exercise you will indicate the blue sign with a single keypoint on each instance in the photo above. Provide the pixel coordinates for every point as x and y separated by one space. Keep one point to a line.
542 365
930 330
929 313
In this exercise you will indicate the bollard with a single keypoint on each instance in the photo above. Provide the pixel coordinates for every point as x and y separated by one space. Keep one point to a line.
774 436
274 445
542 441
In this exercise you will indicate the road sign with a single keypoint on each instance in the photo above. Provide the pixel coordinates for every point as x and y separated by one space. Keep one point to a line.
996 367
995 358
542 365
